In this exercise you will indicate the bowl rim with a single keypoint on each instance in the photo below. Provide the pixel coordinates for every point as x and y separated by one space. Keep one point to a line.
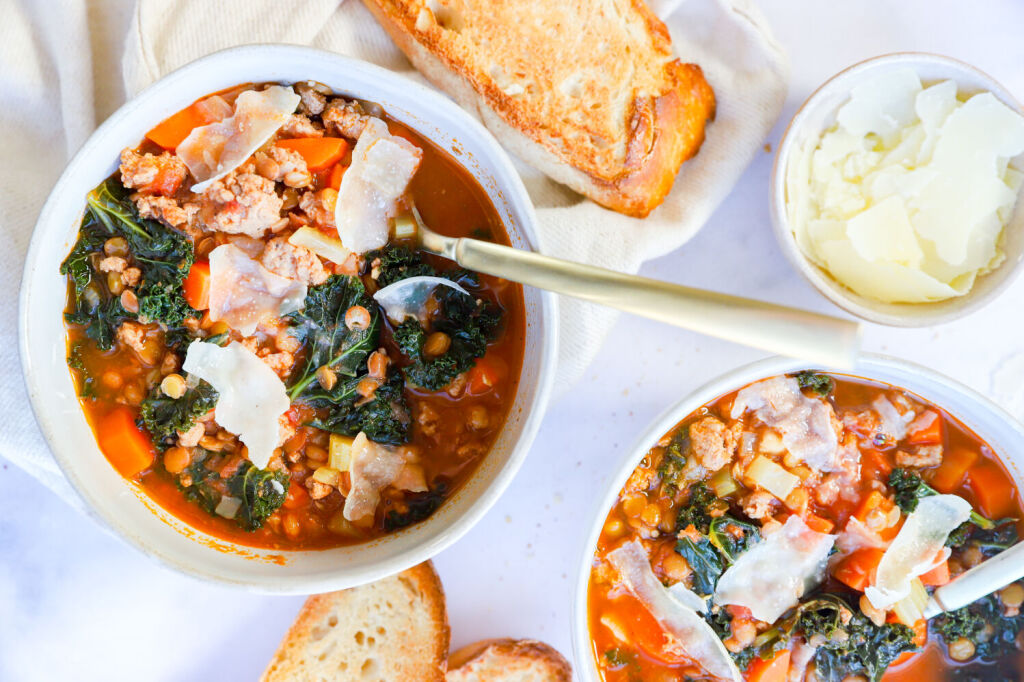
839 295
869 364
516 196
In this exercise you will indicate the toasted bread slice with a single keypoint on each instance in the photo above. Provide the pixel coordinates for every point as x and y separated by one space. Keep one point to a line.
393 629
508 660
587 91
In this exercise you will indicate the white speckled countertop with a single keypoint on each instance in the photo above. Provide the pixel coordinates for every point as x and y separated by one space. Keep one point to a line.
78 604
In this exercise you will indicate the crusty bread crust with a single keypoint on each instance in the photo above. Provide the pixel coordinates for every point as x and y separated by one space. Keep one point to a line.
508 660
393 629
615 128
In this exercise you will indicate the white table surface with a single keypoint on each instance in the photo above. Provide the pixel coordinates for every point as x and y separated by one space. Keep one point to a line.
79 604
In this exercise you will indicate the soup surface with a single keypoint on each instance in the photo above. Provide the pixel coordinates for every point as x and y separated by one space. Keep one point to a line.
792 530
226 340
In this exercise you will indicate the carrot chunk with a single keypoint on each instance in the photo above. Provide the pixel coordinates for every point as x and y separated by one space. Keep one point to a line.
126 446
858 569
774 669
953 469
485 375
993 493
929 435
818 523
170 132
334 180
937 576
197 285
319 152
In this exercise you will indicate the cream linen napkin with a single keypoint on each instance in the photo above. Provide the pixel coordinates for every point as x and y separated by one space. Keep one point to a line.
57 82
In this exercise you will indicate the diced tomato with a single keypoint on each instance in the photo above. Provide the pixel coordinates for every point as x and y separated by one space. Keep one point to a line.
858 569
197 285
319 152
927 435
485 375
127 447
774 669
993 492
953 469
937 576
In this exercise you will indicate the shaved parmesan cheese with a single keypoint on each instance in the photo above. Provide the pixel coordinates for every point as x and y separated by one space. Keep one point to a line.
905 198
893 423
373 467
212 151
382 166
688 598
917 547
805 423
770 577
686 629
243 292
408 297
251 397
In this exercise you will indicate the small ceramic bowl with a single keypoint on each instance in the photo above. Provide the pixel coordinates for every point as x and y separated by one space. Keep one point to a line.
817 115
121 505
997 428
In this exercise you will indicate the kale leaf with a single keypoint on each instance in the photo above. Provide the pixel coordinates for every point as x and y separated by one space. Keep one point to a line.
863 648
673 461
163 254
262 492
822 384
384 418
697 510
732 537
469 323
704 561
910 488
398 263
320 326
164 417
983 623
421 505
100 320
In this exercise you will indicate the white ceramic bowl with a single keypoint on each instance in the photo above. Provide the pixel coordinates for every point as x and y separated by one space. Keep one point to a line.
43 348
817 115
997 428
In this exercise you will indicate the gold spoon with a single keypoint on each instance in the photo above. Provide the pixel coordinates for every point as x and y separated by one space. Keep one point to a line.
830 341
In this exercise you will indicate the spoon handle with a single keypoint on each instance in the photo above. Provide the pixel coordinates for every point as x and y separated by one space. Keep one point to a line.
830 341
985 578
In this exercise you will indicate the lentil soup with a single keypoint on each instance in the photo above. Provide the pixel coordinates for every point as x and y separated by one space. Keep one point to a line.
210 250
758 538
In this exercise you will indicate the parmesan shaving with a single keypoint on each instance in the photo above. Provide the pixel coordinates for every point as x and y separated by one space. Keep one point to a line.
916 548
382 166
243 292
905 198
251 397
685 628
408 297
214 150
770 577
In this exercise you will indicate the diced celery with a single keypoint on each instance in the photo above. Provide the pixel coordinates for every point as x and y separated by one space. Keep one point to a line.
772 477
723 483
910 609
340 454
320 244
405 227
327 475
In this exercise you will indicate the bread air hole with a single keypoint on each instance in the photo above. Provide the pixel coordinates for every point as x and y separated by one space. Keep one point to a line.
370 668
